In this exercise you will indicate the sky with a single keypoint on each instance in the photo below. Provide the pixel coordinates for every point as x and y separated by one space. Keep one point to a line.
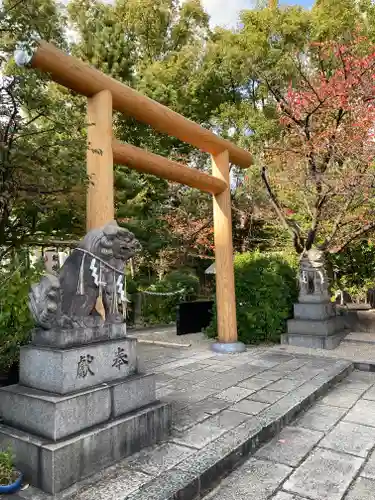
225 12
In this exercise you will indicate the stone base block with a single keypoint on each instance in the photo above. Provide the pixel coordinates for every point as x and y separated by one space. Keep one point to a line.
132 393
325 327
314 311
313 341
62 371
56 417
70 337
51 416
54 467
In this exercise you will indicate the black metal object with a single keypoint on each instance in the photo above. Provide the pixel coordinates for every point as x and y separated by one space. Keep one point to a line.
193 317
11 376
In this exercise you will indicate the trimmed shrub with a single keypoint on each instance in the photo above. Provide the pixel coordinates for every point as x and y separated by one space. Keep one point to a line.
266 289
16 322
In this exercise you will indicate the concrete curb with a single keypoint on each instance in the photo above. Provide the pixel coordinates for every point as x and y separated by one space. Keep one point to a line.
202 471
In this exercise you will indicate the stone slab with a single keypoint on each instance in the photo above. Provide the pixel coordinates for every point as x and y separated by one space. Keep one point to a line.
256 479
266 396
312 341
71 337
290 446
320 418
154 461
254 383
132 393
234 394
341 397
362 413
52 416
284 385
313 327
350 438
369 468
325 475
361 338
66 370
249 407
282 495
59 465
362 489
314 311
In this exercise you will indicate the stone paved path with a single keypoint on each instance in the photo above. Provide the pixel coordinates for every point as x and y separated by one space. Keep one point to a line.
326 454
220 404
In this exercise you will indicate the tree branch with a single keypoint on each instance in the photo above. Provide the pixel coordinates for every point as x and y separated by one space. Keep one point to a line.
360 232
298 241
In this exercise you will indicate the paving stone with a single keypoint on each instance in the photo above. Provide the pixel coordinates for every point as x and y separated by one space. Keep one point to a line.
219 368
254 383
199 435
341 397
162 378
175 373
115 487
350 438
271 375
197 377
264 363
193 367
320 418
362 413
188 417
284 385
166 485
358 381
282 495
234 394
369 394
266 396
362 489
155 460
228 419
294 364
369 469
213 405
290 446
256 479
249 407
325 475
219 382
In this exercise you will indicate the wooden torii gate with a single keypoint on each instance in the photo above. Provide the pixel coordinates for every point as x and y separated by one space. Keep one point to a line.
105 94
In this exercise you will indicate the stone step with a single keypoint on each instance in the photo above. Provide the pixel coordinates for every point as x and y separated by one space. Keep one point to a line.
54 466
360 338
55 417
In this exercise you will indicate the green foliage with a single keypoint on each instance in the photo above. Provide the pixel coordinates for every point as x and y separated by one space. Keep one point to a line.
354 269
6 467
266 289
15 318
162 309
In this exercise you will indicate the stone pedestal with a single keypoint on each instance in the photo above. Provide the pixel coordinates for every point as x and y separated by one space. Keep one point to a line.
315 324
81 404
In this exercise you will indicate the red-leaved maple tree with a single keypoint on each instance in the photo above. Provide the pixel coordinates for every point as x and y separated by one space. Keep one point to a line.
320 173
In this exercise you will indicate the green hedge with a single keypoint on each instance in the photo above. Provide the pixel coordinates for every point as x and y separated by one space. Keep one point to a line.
15 318
266 289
